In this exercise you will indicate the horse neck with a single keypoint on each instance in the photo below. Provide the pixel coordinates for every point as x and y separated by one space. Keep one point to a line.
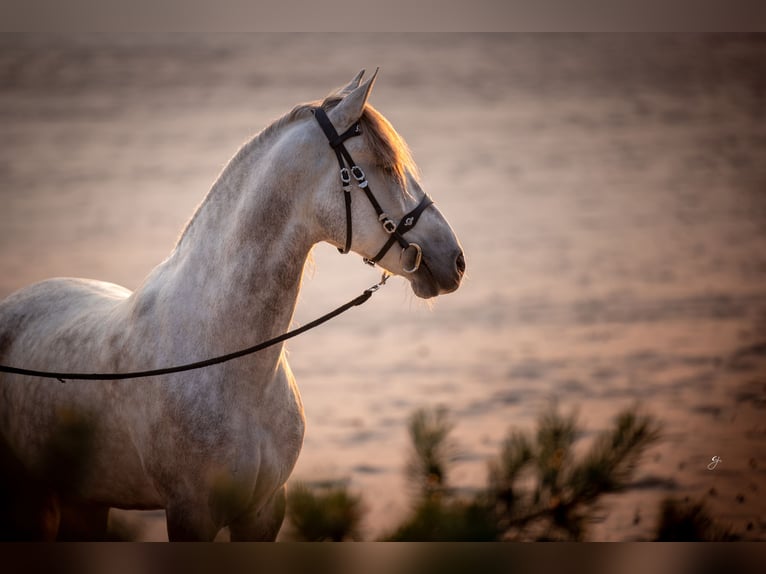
234 276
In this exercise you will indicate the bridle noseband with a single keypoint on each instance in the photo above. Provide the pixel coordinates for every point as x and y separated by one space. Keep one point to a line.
349 168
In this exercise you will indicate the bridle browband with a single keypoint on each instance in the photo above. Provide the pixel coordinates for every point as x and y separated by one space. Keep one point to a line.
349 168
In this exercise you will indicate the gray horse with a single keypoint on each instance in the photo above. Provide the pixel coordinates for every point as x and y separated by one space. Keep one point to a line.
213 447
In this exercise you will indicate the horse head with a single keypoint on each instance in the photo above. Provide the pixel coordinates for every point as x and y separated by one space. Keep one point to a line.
397 226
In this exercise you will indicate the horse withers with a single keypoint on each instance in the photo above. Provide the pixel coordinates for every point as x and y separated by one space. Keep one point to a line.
214 447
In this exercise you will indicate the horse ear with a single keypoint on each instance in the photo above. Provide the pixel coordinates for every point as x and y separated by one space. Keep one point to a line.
350 108
354 84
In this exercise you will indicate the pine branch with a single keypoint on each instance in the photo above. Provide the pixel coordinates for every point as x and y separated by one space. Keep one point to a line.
432 450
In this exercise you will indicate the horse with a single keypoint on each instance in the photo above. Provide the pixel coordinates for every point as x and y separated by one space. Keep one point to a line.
213 447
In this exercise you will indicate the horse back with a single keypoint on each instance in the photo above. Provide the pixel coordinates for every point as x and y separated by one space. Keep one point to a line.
49 314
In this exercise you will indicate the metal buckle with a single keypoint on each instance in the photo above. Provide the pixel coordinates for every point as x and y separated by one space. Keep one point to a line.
369 262
418 258
358 173
388 224
345 179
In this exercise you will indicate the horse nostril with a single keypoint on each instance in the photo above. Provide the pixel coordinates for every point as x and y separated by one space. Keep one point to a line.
460 263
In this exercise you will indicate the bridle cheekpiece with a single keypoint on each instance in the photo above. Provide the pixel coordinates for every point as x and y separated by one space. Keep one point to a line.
349 168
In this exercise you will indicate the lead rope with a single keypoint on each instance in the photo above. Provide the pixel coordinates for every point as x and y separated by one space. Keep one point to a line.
63 377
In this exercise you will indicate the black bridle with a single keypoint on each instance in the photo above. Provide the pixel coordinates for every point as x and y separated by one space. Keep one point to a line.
349 168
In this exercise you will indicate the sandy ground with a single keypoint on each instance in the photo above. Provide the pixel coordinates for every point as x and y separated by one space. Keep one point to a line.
610 193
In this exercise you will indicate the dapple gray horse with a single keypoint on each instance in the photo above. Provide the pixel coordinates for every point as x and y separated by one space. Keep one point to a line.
214 447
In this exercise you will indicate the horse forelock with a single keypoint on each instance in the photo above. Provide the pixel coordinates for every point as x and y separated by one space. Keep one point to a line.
389 148
391 152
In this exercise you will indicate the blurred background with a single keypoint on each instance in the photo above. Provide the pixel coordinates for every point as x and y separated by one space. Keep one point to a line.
609 190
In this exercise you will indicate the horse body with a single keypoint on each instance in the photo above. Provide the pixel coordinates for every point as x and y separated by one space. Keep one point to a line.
213 447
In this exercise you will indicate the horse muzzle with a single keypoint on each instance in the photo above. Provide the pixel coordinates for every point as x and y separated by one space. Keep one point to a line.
433 278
